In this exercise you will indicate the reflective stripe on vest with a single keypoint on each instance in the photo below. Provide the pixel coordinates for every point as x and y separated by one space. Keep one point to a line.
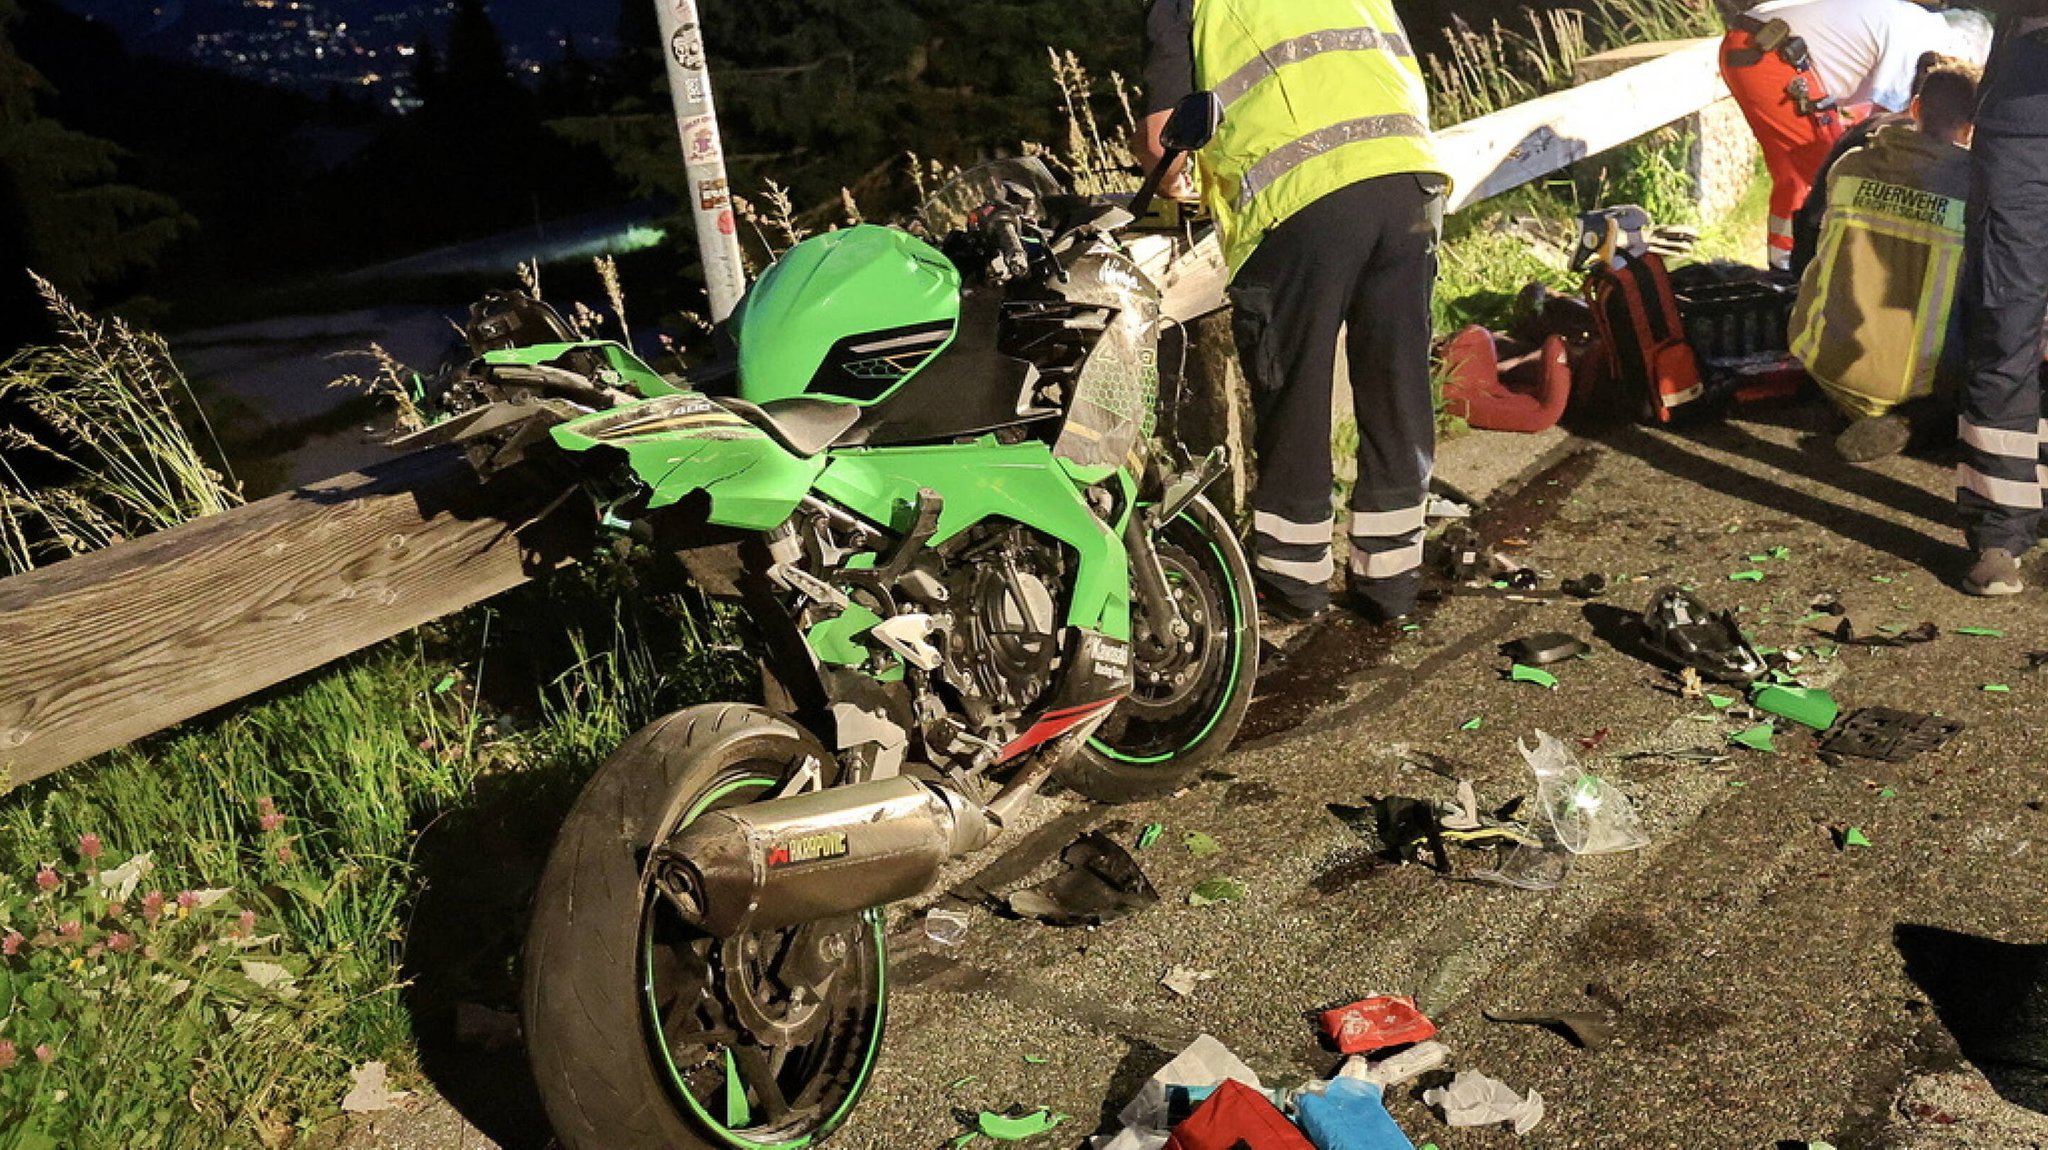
1318 95
1302 47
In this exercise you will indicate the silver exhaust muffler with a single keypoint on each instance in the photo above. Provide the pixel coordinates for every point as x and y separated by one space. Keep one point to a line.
830 853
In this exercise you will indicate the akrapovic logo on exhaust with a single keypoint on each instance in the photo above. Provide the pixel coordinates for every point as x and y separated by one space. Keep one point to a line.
809 848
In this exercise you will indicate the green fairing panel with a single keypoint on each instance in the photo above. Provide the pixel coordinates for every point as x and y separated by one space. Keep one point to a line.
685 443
1022 483
858 281
622 368
833 641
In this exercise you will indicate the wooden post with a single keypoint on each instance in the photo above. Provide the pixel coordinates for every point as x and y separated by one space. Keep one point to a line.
105 648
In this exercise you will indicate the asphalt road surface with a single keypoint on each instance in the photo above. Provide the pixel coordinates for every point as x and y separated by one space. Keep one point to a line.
1767 983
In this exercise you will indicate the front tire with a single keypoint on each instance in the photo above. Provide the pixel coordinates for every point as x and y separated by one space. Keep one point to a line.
1190 695
646 1035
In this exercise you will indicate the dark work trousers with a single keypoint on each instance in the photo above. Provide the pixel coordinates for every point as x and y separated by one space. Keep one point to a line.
1360 263
2005 295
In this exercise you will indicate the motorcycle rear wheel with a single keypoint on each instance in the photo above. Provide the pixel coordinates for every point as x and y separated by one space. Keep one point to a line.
646 1035
1190 695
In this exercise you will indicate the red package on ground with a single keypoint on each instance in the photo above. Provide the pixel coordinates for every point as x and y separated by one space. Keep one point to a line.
1376 1023
1237 1117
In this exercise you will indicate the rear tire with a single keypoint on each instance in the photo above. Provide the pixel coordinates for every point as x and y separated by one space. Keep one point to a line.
645 1035
1189 697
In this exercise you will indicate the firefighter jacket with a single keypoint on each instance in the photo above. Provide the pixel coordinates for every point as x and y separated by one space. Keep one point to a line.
1317 95
1876 305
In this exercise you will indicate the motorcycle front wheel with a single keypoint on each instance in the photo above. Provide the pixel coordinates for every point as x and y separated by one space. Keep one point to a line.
1189 693
647 1035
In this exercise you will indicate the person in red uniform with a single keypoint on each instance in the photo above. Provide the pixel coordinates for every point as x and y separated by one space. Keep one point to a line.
1802 70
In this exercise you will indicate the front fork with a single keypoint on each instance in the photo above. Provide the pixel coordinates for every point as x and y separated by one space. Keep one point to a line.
1148 575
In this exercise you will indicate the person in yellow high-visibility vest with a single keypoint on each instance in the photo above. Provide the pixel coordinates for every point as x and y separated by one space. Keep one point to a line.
1326 187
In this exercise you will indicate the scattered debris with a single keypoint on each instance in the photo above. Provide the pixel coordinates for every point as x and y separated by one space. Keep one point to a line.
1182 980
1720 702
369 1090
1375 1024
1395 1069
1997 689
1473 723
1216 890
1014 1127
1200 845
1205 1063
945 927
1527 867
1233 1115
1757 738
1845 632
1981 632
1890 735
1846 837
1544 649
1348 1114
1591 585
1807 706
1678 628
1523 674
1101 883
1589 815
1587 1029
2037 660
1473 1099
1750 576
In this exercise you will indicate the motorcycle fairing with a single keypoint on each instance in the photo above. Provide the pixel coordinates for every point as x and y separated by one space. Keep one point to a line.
987 480
686 442
604 362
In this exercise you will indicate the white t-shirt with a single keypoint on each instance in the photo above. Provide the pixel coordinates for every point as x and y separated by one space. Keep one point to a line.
1864 50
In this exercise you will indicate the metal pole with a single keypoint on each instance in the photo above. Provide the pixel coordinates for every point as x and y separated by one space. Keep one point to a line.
689 86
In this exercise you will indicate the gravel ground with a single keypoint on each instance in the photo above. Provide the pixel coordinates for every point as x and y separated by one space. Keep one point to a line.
1767 985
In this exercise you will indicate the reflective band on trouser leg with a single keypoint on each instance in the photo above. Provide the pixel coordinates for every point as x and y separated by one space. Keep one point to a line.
1781 242
2001 465
1294 559
1380 559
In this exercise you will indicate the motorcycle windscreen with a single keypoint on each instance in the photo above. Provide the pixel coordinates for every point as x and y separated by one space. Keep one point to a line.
1112 413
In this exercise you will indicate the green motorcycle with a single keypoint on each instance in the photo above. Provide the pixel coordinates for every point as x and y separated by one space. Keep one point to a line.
937 493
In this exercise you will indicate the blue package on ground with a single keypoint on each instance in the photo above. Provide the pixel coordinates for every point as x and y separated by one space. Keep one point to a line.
1349 1115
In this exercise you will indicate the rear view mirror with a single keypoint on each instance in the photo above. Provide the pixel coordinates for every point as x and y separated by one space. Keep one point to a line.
1193 123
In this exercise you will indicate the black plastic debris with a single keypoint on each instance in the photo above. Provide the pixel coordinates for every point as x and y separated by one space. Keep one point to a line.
1591 585
2037 660
1845 633
1544 649
1399 829
1890 735
1679 629
1101 883
1828 603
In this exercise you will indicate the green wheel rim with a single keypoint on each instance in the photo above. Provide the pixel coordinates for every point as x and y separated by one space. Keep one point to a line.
720 1129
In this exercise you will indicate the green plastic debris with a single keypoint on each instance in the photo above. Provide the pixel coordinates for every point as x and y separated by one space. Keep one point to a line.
1036 1060
1216 890
1807 706
1737 783
1750 576
1411 628
737 1112
1781 554
1150 834
1880 579
1854 837
1008 1129
1200 845
1473 723
1757 738
446 684
957 1083
1720 702
1997 689
1980 632
1888 793
1541 678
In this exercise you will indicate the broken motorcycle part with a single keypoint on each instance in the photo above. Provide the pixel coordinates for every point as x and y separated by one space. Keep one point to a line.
1890 736
1544 649
1678 628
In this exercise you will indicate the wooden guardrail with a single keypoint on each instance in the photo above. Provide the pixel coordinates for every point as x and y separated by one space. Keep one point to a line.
106 648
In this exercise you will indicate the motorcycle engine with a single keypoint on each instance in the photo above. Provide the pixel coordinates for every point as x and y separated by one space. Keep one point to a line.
1004 592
